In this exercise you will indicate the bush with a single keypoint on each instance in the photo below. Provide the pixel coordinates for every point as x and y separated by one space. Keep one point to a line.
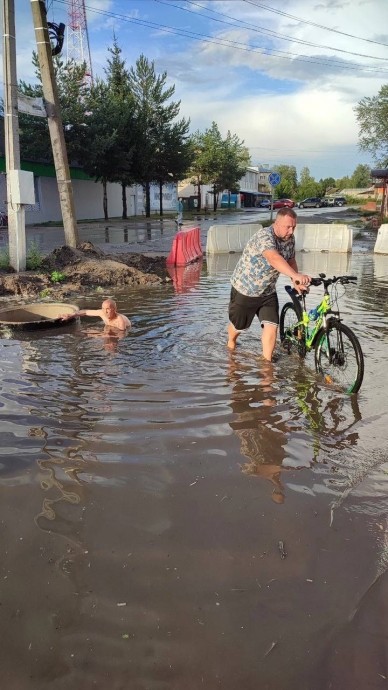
34 258
4 259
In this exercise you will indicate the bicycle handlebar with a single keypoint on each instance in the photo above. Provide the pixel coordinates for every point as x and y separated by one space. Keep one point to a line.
344 280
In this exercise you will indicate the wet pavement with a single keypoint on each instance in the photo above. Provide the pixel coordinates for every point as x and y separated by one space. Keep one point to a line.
175 516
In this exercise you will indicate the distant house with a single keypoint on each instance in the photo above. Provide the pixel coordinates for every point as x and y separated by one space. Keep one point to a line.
253 186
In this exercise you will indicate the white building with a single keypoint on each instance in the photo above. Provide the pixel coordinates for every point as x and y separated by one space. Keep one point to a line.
253 186
88 197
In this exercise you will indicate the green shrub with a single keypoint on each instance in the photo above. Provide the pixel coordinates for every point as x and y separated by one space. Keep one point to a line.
34 258
57 277
4 259
45 293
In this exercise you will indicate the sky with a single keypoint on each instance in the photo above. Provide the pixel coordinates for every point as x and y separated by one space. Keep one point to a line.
283 75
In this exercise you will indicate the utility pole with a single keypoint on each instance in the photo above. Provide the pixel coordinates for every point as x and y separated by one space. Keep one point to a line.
15 208
50 95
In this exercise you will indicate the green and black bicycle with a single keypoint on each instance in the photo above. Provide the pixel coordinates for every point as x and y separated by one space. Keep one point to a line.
338 354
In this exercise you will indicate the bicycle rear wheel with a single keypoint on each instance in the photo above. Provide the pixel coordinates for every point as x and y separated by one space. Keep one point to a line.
339 358
291 334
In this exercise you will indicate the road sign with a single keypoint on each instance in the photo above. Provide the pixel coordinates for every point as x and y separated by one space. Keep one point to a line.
274 178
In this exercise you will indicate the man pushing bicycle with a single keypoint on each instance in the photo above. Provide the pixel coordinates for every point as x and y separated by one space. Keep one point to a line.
269 252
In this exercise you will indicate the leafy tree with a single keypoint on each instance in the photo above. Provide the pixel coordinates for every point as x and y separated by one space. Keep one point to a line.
361 176
218 162
326 186
372 118
307 185
343 183
287 188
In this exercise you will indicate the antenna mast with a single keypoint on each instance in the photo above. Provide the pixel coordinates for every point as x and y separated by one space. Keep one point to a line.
78 48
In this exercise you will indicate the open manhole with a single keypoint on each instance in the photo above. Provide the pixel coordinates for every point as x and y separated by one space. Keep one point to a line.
37 315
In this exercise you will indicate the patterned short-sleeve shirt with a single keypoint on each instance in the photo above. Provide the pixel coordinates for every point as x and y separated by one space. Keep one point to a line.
253 275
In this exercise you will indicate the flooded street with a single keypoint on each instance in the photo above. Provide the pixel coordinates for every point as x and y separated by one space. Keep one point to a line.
176 517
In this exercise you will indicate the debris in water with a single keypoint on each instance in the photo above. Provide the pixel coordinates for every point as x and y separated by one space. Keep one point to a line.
283 552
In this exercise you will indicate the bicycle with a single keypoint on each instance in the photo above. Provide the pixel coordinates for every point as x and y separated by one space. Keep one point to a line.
338 355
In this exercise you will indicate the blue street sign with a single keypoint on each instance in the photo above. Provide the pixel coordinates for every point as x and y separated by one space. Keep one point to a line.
274 178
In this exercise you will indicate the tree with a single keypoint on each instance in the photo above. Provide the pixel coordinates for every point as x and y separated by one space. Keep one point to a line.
104 157
307 185
117 81
153 116
35 143
372 118
361 176
287 188
218 162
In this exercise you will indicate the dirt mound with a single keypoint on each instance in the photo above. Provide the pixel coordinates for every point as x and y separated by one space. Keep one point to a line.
82 270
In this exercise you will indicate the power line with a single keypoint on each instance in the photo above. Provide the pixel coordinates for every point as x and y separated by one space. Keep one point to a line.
263 51
261 29
306 21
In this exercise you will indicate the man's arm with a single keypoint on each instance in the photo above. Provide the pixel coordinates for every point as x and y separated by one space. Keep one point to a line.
82 312
288 268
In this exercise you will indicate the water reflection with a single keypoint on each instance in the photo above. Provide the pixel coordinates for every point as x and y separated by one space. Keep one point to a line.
288 429
184 278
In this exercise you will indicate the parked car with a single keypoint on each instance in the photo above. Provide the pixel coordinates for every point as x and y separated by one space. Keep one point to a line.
311 202
282 203
340 201
265 203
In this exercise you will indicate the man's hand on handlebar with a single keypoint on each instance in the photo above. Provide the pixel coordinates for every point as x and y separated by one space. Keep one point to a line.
301 282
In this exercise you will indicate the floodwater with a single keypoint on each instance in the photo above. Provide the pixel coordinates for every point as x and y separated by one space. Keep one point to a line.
174 516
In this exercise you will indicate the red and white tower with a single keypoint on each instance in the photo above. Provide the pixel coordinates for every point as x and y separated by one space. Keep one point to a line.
78 48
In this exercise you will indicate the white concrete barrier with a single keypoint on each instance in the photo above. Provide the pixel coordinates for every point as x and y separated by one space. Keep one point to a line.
221 264
381 245
331 263
321 237
223 239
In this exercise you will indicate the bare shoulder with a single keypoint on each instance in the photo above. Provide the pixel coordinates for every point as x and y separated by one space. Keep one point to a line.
123 321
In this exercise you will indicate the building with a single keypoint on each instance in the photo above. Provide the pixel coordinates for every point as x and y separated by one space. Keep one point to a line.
253 186
88 196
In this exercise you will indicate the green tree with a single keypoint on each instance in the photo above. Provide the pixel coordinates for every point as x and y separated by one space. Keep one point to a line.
288 186
153 115
104 156
218 162
174 156
372 118
117 82
361 176
35 143
307 185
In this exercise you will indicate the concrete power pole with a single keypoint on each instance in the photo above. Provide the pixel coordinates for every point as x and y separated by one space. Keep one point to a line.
50 94
15 208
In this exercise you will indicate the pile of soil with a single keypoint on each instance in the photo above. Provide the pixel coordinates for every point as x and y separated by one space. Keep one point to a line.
81 271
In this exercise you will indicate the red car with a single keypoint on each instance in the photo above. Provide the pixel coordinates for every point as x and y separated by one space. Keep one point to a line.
281 203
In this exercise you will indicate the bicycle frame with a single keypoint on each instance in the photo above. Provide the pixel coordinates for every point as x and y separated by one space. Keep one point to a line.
323 308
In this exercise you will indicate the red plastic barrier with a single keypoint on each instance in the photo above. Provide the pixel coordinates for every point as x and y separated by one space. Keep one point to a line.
185 278
186 248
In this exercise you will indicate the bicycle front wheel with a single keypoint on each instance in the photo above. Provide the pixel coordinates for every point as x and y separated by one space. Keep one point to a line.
339 358
291 331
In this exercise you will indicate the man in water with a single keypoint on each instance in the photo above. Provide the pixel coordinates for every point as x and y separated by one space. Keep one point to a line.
269 252
108 313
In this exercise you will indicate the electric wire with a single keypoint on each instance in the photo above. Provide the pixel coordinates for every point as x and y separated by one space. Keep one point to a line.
261 29
263 51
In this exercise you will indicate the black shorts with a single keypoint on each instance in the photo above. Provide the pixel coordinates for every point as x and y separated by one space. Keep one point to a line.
243 309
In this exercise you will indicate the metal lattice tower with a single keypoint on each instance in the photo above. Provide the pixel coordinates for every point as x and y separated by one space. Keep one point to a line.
77 45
